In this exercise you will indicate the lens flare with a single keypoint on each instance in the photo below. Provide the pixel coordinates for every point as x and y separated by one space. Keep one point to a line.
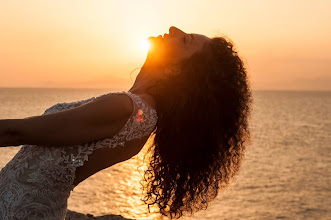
139 116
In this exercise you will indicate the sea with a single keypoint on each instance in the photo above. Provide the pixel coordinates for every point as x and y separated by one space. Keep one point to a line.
285 173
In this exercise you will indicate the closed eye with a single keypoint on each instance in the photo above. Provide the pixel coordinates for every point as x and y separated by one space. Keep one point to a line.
184 38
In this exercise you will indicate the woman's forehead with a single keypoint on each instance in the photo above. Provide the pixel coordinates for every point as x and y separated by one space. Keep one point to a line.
201 37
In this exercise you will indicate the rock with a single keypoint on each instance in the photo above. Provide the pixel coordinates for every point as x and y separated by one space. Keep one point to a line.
72 215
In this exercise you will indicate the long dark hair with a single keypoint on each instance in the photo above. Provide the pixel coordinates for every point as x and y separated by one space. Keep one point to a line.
201 133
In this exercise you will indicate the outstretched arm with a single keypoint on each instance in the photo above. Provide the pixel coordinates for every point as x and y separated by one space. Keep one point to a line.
98 119
8 133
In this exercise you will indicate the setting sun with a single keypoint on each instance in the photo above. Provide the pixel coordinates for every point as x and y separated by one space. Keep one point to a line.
144 45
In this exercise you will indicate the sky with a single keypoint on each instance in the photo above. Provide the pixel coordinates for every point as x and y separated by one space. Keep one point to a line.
286 45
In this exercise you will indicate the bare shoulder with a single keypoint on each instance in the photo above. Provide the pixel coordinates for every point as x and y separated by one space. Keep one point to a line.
117 104
148 99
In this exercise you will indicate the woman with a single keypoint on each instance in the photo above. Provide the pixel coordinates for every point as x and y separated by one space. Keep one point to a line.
192 93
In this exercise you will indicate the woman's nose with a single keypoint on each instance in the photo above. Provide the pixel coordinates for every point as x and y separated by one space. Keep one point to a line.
173 31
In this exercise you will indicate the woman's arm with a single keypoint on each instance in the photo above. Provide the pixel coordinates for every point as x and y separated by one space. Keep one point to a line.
8 133
98 119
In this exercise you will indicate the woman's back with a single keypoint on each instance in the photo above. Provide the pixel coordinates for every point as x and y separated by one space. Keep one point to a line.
38 180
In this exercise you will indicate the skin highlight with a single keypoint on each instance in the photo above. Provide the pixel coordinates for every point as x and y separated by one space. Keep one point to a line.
163 58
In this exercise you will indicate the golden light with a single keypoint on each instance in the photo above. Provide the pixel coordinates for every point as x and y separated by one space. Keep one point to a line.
145 45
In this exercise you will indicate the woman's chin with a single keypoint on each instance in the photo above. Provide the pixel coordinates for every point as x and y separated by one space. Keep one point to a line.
155 41
151 39
155 46
157 52
155 60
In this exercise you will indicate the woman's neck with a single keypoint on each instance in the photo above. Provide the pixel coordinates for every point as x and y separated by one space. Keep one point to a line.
144 80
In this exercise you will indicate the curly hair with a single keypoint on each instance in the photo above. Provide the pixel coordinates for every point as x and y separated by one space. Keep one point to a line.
201 133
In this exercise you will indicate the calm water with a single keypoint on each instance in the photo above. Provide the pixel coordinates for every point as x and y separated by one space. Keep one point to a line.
285 174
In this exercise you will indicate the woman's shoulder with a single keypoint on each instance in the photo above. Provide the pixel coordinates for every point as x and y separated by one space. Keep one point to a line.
146 98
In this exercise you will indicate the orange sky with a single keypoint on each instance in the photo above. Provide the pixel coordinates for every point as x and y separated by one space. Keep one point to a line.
96 43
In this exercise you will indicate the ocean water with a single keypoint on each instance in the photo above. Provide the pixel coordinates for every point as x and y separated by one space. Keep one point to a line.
285 174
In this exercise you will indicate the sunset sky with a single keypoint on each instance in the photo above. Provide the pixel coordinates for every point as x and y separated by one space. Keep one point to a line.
97 43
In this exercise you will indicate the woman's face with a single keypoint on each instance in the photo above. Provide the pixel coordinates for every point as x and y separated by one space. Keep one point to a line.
174 47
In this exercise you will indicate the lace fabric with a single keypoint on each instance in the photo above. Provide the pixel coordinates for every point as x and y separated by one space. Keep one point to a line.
37 182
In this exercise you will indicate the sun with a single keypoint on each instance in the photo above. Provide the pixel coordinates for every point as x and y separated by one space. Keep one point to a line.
145 45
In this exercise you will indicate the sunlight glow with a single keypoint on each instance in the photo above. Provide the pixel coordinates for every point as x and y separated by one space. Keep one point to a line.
145 45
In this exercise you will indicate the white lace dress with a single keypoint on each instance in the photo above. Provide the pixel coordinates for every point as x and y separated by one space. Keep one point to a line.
37 182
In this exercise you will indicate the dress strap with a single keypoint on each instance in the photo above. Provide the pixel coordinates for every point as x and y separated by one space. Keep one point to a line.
143 120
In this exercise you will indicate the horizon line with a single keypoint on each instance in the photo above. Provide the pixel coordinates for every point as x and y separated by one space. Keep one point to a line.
96 88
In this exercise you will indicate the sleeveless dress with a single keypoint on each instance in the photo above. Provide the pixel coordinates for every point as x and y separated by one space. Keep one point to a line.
37 182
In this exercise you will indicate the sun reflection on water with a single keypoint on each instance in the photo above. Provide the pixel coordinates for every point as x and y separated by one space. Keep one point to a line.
132 189
115 190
